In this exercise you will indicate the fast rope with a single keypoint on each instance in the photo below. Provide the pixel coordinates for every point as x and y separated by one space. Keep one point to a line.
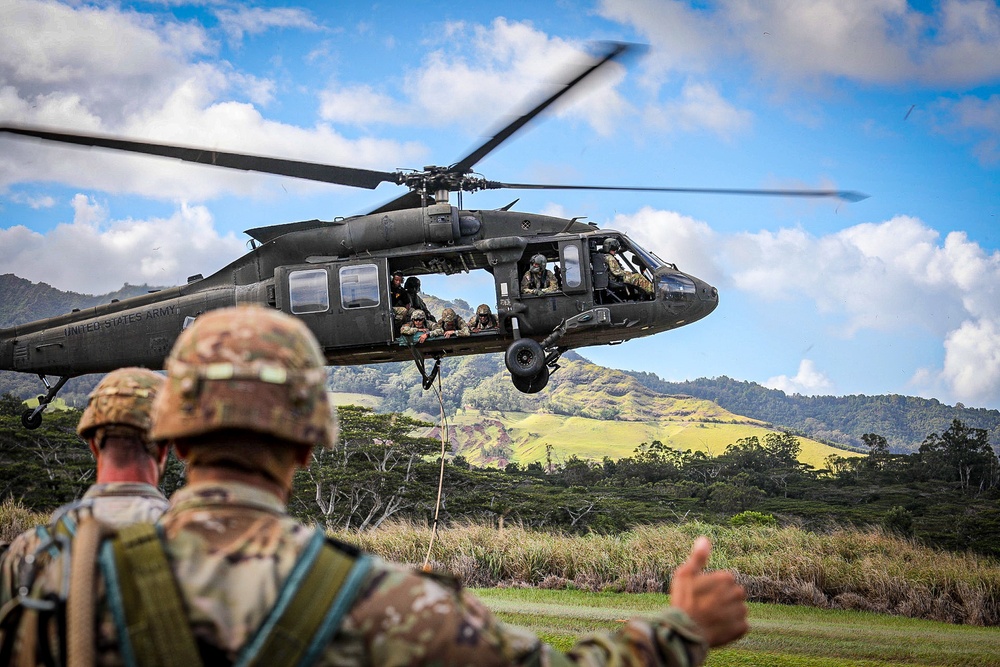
444 441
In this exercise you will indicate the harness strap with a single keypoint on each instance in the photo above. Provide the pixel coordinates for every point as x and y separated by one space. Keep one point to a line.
80 612
145 601
310 607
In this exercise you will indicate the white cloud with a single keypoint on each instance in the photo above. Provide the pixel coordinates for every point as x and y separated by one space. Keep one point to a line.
975 118
480 70
896 277
972 361
100 254
43 201
700 106
254 20
872 41
808 381
101 70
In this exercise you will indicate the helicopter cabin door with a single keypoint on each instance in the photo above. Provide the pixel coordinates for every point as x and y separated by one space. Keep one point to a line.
343 303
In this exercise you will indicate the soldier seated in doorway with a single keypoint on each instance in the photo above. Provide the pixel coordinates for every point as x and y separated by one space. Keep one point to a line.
538 280
419 329
452 324
485 320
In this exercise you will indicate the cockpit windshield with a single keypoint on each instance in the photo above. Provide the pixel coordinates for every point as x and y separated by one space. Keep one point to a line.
650 260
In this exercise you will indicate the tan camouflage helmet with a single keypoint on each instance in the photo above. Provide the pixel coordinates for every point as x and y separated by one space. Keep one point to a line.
417 315
123 398
249 368
483 309
448 315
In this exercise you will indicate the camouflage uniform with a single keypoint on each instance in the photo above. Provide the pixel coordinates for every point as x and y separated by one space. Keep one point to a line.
537 279
452 323
485 320
113 504
231 546
627 277
415 330
119 405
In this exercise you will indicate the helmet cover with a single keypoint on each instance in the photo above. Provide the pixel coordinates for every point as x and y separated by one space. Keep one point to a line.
123 398
249 368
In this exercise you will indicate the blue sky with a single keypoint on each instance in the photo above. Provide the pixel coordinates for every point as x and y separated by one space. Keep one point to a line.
895 294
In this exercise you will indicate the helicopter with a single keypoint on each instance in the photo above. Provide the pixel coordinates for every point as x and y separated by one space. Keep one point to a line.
336 276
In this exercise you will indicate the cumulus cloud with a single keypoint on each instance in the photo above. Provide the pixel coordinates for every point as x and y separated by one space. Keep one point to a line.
808 381
479 70
99 254
700 106
872 41
98 69
895 276
255 20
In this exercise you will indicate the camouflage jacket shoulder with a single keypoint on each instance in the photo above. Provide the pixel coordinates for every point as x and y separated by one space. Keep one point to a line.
232 547
114 504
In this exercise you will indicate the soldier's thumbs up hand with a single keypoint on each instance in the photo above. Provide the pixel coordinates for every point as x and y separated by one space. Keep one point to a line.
713 600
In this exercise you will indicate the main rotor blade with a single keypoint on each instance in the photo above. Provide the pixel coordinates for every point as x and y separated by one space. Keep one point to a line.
613 51
846 195
410 200
359 178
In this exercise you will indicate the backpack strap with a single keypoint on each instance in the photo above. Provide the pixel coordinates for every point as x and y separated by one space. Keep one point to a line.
313 600
153 628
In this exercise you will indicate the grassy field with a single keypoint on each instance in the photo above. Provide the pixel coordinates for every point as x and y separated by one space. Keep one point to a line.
529 434
780 635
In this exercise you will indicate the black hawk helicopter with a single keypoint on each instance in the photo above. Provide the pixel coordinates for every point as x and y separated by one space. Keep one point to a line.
336 275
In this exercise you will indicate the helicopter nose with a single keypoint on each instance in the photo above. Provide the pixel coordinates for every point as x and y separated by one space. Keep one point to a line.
686 294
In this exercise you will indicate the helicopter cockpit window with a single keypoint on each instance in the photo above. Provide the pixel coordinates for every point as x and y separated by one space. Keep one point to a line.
308 291
359 286
571 266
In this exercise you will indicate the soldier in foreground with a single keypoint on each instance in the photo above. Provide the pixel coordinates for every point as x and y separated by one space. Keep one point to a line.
115 425
245 404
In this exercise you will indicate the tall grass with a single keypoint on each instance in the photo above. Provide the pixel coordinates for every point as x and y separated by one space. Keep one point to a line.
15 518
843 569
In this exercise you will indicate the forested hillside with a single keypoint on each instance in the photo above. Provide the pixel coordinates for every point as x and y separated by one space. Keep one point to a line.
904 421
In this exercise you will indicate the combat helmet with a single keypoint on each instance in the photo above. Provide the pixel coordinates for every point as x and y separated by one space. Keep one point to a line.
417 314
537 264
249 368
483 309
612 245
123 398
448 315
412 284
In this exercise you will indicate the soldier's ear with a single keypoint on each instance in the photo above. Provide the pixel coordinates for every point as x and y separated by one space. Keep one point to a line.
303 456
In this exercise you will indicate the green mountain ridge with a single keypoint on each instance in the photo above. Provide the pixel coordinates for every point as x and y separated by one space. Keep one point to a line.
579 389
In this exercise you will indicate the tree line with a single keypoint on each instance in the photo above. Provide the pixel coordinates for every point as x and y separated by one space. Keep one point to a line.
944 494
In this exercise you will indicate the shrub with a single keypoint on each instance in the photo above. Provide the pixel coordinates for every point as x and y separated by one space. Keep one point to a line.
752 518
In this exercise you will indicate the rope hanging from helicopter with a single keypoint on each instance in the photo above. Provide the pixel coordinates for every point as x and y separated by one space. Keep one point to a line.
444 442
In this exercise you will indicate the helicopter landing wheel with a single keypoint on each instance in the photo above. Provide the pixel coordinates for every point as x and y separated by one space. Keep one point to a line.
31 419
531 385
525 358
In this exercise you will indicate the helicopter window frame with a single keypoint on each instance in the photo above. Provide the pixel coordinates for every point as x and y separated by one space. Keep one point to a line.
571 258
358 283
308 291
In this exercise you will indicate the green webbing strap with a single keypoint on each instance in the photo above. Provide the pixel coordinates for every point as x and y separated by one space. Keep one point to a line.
150 615
312 602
